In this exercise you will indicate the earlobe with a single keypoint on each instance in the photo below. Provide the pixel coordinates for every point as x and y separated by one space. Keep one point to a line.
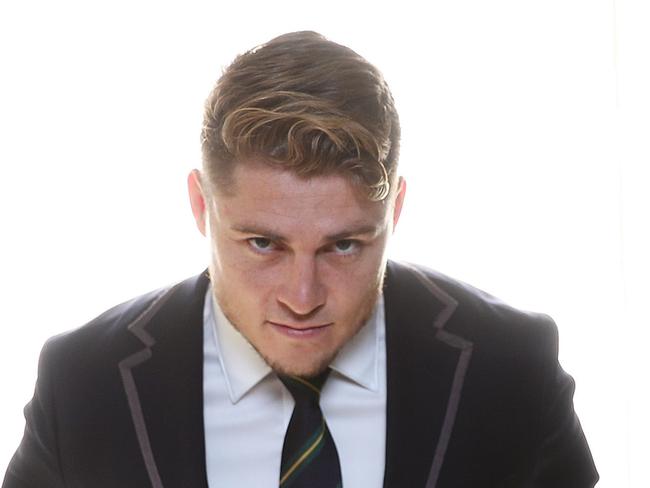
399 200
197 199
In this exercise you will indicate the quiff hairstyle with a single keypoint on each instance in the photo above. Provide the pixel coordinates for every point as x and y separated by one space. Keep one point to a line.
306 104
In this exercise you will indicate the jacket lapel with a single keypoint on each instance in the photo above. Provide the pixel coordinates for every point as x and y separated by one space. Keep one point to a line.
163 382
426 366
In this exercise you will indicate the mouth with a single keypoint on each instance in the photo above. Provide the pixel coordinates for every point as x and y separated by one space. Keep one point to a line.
302 331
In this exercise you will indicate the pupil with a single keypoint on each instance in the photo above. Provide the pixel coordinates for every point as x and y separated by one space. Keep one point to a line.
261 242
343 245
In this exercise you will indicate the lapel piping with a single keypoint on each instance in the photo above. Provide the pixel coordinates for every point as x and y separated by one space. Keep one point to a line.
137 328
465 347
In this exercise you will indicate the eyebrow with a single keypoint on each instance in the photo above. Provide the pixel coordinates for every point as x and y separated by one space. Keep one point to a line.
364 229
258 230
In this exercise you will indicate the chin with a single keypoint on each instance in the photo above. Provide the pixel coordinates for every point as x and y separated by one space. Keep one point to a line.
305 369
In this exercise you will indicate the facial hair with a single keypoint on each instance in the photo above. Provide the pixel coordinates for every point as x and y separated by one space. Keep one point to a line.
366 307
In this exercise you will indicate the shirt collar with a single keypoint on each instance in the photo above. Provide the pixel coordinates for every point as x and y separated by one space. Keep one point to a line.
243 367
358 360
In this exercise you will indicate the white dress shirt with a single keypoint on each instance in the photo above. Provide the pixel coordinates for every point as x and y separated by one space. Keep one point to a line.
247 409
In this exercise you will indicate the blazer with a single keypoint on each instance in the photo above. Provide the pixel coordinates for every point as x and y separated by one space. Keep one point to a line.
475 395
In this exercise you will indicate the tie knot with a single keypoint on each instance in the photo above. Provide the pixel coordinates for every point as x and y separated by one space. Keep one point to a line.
305 389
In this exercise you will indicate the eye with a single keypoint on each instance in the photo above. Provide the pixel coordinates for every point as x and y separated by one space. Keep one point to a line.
261 244
346 246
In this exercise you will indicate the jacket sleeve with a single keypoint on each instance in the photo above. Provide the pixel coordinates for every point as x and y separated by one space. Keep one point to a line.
563 458
36 464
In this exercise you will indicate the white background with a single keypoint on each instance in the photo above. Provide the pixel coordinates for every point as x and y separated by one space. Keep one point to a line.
525 145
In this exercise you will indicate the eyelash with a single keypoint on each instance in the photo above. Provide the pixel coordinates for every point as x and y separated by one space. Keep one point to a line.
355 246
252 243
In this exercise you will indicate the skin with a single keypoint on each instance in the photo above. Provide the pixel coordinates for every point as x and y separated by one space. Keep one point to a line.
296 264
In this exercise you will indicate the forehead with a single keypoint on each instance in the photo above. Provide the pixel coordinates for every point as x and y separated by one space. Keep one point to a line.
263 194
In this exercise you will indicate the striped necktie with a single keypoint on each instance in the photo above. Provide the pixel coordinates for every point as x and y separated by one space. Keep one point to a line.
309 457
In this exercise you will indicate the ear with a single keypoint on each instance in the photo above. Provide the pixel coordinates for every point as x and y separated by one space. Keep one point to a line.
197 199
399 200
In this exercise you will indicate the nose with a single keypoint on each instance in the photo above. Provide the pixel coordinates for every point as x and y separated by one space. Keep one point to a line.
301 290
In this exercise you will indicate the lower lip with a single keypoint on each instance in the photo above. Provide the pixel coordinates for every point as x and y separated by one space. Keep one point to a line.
308 333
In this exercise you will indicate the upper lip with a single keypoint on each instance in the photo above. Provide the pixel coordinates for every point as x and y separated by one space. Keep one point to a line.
299 326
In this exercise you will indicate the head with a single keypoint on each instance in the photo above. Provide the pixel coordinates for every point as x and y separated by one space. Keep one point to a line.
298 196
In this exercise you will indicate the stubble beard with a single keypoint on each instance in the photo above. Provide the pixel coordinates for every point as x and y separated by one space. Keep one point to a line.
367 306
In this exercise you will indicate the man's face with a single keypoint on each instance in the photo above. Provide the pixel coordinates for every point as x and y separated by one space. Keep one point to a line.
296 263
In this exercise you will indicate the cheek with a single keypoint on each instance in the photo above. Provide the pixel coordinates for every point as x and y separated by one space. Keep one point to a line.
350 287
249 286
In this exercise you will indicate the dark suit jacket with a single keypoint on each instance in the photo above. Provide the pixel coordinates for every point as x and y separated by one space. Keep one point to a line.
476 397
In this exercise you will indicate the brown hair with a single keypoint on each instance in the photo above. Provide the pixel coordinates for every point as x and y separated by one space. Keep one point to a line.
307 104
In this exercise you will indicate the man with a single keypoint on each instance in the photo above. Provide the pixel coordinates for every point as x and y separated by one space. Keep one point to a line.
303 358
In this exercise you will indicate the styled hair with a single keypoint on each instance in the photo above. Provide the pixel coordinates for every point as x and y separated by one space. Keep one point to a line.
306 104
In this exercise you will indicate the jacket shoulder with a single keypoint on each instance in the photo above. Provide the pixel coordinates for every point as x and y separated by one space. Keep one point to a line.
106 334
102 331
479 316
